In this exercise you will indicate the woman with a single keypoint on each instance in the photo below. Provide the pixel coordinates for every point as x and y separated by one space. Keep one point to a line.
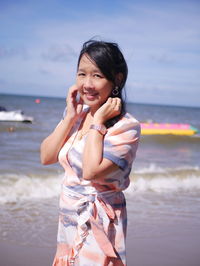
96 143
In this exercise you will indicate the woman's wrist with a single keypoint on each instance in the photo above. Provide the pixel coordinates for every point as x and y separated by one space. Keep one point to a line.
69 119
98 120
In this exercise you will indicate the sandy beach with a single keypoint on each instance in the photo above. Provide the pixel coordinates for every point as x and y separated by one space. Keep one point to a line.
175 243
169 251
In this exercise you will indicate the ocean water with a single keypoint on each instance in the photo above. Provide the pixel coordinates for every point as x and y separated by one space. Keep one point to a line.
165 179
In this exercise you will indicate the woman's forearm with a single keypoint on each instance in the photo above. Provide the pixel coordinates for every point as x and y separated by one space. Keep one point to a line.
51 146
93 154
93 163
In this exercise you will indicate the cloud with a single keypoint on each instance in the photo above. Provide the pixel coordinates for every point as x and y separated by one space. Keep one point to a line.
9 52
59 53
44 72
161 45
162 58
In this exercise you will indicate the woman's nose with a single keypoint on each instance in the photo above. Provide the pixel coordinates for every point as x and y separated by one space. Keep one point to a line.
88 83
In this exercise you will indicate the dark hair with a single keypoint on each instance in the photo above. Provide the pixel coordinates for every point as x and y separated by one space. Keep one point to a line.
110 60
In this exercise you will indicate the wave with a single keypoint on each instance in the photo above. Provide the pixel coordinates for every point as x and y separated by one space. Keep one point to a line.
155 169
14 187
158 179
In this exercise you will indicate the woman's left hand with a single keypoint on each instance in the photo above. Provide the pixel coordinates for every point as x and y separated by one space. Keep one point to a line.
110 109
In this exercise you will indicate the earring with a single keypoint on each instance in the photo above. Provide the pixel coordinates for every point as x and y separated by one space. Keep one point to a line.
115 92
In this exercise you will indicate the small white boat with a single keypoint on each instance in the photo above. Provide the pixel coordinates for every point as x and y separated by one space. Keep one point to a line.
14 116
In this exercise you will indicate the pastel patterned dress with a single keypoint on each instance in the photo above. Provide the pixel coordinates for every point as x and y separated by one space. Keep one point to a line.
92 216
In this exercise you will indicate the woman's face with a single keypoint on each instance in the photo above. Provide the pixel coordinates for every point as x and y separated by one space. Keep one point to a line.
92 85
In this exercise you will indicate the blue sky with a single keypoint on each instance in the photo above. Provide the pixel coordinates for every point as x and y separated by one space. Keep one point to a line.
40 42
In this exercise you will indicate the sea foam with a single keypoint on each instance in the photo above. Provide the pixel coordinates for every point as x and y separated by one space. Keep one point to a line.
14 188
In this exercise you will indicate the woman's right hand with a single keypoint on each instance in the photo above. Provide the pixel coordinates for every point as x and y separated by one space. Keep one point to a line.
110 109
74 107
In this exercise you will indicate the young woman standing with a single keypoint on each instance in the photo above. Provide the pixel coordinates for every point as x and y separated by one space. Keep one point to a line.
96 143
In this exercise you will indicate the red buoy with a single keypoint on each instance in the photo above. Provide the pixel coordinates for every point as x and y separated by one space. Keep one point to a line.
37 101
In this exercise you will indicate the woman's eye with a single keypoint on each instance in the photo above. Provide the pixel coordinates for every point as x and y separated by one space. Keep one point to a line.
98 75
81 74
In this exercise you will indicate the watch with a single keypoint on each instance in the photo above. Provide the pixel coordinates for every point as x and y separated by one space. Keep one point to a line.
100 127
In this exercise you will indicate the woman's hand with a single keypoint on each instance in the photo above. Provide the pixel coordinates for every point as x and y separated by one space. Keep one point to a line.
74 107
110 109
52 145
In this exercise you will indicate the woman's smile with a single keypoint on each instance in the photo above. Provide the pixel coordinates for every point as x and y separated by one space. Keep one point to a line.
91 95
92 85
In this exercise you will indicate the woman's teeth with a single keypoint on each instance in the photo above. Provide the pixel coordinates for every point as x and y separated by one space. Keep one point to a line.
91 96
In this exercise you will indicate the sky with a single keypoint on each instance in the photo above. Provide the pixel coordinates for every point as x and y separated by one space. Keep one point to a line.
40 42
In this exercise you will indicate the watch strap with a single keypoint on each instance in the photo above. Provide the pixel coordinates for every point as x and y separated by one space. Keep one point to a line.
100 128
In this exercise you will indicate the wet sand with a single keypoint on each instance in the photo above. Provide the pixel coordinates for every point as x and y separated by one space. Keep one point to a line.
177 244
171 250
163 230
12 254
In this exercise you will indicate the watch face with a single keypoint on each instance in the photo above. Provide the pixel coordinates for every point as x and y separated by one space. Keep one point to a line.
103 129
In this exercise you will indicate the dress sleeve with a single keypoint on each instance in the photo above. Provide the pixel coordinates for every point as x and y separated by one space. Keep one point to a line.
121 142
63 116
64 113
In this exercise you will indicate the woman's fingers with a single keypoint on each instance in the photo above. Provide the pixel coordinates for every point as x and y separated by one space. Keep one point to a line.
72 92
116 104
108 110
114 101
79 106
74 105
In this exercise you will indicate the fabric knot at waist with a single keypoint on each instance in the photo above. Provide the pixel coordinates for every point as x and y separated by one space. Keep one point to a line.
90 210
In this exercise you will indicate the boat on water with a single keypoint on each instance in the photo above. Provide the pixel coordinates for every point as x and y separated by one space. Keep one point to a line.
167 128
14 116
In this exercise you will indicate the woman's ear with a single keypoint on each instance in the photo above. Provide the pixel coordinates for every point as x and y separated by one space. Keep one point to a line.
118 79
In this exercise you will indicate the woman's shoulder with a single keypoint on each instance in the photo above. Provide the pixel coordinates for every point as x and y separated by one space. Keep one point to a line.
127 120
126 123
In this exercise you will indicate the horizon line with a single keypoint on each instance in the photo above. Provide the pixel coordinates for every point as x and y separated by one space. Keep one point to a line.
62 97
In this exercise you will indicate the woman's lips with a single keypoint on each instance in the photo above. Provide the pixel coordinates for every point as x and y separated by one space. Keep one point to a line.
91 96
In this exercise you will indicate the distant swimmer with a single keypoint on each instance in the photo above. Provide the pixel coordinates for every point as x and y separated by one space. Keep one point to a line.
10 129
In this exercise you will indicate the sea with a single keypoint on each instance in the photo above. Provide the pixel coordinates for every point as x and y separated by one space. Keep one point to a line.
165 178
